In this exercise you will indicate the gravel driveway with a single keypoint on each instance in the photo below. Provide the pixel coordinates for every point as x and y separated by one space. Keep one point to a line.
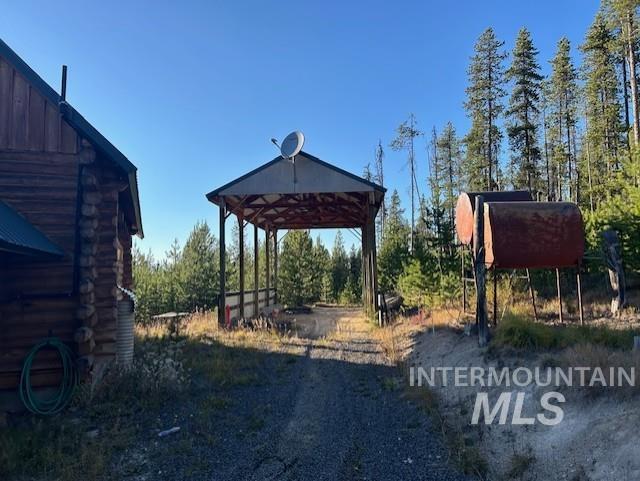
331 411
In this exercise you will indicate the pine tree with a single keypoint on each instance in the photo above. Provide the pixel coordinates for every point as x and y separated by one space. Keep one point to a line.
435 185
200 268
173 290
484 107
549 174
352 291
379 179
624 15
297 268
524 73
604 134
339 267
394 249
563 105
449 149
322 262
405 136
475 166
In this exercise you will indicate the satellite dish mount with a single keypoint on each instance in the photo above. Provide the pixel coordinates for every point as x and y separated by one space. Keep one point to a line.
292 145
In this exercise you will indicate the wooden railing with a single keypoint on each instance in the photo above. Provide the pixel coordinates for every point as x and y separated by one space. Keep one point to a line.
232 299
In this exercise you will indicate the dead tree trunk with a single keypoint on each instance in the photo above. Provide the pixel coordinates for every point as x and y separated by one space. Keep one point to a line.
613 259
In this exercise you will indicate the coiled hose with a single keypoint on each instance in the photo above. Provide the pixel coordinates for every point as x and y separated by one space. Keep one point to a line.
58 400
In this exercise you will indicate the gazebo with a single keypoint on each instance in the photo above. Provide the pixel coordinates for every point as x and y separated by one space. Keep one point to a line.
299 193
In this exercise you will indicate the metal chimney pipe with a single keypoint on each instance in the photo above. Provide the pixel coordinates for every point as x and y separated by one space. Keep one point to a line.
63 90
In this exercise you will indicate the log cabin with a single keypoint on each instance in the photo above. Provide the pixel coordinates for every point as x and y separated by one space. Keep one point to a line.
69 207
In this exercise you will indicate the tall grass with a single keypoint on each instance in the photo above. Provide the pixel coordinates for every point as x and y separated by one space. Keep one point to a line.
522 333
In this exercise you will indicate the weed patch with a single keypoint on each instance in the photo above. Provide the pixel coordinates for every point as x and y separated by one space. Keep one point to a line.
460 445
522 333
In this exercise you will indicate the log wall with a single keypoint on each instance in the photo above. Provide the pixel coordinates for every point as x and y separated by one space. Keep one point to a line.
37 296
59 184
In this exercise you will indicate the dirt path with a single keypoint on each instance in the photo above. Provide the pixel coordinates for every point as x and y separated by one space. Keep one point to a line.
332 412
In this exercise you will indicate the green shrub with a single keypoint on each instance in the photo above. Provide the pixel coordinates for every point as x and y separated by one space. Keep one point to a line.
422 286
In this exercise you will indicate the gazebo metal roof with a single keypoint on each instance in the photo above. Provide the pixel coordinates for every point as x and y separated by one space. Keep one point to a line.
301 194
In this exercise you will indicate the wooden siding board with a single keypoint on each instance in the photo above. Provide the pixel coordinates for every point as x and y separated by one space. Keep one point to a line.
36 121
19 114
6 88
52 128
68 139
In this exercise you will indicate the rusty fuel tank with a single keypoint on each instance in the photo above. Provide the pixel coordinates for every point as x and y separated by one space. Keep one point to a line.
467 203
520 235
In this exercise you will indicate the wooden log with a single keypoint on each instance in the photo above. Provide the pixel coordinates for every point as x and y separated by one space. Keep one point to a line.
89 210
91 198
105 348
89 248
91 321
88 223
88 234
86 348
87 261
88 298
86 286
613 259
82 334
88 180
84 364
87 154
85 312
89 273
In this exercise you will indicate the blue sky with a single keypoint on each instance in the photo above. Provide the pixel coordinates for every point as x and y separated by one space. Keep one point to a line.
192 91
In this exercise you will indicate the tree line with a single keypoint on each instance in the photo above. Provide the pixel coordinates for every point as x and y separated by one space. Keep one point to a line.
571 134
188 277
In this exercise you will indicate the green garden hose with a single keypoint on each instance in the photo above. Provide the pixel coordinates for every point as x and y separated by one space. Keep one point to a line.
58 400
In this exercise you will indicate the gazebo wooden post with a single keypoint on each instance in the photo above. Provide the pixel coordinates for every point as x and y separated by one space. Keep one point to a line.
241 255
256 273
372 253
222 295
275 265
267 247
365 269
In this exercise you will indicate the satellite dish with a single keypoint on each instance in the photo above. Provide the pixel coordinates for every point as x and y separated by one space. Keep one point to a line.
292 144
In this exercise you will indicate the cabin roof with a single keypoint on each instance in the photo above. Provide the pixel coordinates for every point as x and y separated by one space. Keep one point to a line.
18 236
82 126
304 193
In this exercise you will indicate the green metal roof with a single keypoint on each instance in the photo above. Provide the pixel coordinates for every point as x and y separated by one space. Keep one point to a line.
82 126
18 236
